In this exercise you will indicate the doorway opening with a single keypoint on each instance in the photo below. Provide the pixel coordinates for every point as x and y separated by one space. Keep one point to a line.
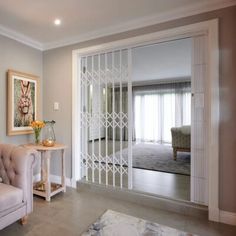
204 115
161 85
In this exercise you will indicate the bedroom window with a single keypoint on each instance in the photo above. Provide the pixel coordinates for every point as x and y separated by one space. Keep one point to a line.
158 108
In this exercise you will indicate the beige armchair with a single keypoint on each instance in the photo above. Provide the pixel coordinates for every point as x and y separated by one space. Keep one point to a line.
181 140
16 188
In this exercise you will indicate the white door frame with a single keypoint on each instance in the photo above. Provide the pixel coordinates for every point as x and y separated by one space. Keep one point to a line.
210 28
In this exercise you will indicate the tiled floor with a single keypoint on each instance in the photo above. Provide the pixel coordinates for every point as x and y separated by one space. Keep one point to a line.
71 213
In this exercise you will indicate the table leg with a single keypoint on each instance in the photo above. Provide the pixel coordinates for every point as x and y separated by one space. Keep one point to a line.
43 166
48 183
63 174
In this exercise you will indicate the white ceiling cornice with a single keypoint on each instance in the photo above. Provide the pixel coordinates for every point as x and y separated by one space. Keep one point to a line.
175 14
143 22
20 38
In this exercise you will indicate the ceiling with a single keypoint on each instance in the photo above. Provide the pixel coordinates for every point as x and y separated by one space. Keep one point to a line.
32 21
163 61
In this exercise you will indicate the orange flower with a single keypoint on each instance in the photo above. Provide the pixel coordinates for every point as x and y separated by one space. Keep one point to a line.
37 124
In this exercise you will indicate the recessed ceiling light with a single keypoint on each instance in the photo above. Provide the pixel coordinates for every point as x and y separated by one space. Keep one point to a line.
57 22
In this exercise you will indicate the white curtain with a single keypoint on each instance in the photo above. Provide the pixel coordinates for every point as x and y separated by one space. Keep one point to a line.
159 108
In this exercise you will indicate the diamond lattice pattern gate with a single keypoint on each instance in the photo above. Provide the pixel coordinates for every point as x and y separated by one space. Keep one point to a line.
106 123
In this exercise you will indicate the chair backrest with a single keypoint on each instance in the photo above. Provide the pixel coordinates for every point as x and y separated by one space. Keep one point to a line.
7 169
12 163
181 137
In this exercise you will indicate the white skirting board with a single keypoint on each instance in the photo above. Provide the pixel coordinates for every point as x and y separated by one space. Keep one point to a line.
57 179
227 217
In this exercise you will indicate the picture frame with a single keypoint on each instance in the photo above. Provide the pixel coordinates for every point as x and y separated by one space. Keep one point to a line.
23 102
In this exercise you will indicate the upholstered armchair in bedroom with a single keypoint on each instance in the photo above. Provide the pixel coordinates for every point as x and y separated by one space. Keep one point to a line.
181 139
16 188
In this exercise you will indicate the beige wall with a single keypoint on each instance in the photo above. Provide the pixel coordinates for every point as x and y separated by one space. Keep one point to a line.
17 56
57 64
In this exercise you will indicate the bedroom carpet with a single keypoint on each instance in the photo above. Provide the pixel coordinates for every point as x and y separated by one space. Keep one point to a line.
158 157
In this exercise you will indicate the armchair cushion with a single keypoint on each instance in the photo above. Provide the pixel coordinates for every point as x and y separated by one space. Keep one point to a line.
9 196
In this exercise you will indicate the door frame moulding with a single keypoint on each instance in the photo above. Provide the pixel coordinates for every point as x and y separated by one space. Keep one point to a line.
209 28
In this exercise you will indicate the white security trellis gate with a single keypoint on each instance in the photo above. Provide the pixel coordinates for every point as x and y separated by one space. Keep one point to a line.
106 122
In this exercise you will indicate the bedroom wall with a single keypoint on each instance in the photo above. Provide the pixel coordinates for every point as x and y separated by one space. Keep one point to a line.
57 64
16 56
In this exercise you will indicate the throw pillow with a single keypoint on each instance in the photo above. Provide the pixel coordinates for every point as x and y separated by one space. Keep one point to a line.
0 180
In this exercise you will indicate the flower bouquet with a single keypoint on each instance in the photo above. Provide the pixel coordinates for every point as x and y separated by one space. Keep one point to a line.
37 126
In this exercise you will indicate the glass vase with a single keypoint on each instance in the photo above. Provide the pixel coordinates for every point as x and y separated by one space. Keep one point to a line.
37 136
49 134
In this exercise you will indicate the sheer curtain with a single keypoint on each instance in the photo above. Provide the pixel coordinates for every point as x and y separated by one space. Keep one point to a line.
158 108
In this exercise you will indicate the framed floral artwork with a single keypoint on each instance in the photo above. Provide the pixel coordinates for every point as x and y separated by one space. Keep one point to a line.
23 102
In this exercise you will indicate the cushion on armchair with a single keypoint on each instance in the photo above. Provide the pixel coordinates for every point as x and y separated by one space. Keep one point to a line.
9 197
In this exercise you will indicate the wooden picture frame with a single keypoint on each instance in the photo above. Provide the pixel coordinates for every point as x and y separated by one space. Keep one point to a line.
23 102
